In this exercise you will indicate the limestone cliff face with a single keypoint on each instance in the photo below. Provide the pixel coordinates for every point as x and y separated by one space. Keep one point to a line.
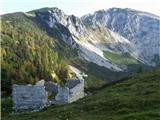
140 28
115 30
67 25
74 33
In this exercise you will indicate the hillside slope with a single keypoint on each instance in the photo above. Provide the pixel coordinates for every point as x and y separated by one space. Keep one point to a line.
28 53
141 29
31 51
112 30
38 43
134 98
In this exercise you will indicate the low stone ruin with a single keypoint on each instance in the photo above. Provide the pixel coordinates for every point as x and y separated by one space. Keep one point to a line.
72 91
36 97
29 97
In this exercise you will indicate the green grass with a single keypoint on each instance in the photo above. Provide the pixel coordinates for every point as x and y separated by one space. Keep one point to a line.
6 106
97 75
133 98
123 59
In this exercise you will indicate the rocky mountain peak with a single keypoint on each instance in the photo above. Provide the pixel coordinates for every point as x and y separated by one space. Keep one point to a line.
140 28
53 16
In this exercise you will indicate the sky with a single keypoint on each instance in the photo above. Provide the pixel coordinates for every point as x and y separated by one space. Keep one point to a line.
79 7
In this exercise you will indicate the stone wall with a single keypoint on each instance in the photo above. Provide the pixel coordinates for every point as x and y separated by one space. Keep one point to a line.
62 95
50 86
72 83
77 92
35 97
72 91
29 97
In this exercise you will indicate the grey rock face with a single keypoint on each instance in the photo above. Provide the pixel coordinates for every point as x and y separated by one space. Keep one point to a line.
115 30
142 29
66 24
72 30
55 15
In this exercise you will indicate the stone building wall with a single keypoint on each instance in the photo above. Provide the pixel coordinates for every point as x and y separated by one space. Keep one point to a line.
29 97
62 95
72 91
77 92
35 97
50 86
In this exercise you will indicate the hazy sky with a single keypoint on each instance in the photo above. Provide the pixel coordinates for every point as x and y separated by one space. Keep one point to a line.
79 7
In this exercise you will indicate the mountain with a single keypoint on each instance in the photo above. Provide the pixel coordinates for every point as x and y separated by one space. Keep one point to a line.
133 98
124 32
71 28
141 31
107 45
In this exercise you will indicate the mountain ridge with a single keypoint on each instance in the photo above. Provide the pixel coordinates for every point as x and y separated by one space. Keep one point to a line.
77 26
121 22
92 47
